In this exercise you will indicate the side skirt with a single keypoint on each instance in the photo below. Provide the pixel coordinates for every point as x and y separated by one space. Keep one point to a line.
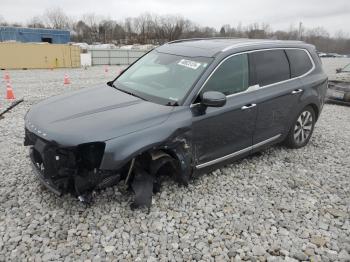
238 153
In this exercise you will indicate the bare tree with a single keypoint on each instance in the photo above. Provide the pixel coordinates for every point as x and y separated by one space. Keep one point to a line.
145 27
92 21
173 26
36 22
258 31
156 29
57 19
2 21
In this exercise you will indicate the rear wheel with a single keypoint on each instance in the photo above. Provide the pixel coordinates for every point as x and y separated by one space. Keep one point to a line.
302 128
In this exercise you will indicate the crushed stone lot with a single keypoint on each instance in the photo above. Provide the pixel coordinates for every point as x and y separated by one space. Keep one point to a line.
279 205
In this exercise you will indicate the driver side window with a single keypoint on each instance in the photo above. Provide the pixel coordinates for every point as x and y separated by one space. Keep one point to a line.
231 77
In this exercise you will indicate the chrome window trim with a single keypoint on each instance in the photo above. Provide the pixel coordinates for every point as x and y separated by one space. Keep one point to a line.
253 88
240 152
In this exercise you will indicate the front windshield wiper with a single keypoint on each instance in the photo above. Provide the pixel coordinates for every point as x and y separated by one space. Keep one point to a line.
172 103
128 92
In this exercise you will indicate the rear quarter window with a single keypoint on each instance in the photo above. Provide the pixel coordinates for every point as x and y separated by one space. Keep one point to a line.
300 62
271 66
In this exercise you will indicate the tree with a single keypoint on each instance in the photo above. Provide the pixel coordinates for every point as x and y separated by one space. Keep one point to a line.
36 22
172 26
57 19
157 29
222 31
92 21
2 21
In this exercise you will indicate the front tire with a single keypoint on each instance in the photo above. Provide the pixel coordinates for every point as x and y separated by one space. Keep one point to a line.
302 128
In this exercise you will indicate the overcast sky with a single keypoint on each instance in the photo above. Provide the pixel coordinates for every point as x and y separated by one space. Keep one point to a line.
332 15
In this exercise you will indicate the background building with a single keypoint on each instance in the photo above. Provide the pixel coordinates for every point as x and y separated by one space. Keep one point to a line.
26 35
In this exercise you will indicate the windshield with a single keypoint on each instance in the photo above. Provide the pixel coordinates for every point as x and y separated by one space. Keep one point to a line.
346 68
162 78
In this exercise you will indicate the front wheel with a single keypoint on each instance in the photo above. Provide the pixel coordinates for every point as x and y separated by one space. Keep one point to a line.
302 128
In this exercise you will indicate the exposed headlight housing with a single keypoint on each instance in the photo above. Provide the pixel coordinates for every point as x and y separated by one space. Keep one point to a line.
89 156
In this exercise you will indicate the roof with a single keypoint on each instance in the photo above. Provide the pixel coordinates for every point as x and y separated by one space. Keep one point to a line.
32 29
210 47
25 35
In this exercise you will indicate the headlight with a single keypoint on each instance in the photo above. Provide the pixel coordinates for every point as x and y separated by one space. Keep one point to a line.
90 155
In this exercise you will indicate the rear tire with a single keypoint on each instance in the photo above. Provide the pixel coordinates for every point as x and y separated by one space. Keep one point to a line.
302 128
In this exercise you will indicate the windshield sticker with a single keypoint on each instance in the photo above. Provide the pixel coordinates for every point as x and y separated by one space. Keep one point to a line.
190 64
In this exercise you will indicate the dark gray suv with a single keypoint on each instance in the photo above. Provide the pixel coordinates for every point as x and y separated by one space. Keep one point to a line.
185 108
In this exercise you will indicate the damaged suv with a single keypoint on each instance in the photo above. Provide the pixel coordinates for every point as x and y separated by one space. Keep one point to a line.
184 108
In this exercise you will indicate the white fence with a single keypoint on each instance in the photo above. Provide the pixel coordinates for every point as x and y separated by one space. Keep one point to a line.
114 56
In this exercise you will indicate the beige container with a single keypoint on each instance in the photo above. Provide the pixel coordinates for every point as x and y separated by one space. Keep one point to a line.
32 55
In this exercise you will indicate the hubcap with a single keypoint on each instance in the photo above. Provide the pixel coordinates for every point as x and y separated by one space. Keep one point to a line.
303 127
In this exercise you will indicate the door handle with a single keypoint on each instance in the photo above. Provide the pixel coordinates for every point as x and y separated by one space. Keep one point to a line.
248 106
297 91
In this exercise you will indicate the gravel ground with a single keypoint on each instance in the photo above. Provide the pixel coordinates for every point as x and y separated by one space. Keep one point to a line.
279 205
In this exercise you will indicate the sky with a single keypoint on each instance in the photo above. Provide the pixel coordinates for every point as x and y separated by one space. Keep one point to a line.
333 15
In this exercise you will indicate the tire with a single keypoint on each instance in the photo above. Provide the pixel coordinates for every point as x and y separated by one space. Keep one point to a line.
301 129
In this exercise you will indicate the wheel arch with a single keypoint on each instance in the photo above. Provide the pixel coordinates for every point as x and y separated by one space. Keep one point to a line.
178 145
315 108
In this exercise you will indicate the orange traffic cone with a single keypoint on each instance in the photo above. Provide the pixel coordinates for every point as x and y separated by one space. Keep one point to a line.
7 77
9 91
66 79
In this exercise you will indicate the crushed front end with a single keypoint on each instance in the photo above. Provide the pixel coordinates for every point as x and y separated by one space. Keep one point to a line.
72 170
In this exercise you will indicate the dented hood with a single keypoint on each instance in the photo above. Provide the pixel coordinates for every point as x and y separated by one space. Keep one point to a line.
92 114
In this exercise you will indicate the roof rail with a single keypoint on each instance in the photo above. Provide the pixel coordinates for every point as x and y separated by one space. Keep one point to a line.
262 41
200 38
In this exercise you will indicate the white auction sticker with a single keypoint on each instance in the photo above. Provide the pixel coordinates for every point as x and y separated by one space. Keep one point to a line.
190 64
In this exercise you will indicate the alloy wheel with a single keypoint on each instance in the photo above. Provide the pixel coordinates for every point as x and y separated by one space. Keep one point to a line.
303 127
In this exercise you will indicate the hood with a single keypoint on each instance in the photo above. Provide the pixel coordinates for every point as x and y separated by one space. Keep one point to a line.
93 114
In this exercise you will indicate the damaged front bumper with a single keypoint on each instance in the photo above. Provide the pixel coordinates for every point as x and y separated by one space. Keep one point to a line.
77 170
72 170
39 172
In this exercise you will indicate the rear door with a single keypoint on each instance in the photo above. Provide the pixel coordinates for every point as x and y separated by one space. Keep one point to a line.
277 96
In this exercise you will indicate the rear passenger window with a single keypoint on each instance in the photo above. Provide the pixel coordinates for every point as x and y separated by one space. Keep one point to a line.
231 77
300 62
270 66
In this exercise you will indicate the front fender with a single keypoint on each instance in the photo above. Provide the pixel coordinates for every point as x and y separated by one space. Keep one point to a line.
174 136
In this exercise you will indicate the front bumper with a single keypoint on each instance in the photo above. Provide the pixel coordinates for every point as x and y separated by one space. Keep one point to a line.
53 166
39 172
69 170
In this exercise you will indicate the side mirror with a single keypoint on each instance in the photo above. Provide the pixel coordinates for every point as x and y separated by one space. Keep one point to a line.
338 70
110 83
213 99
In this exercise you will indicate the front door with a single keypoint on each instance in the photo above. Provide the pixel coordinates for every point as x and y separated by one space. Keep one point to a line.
225 132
